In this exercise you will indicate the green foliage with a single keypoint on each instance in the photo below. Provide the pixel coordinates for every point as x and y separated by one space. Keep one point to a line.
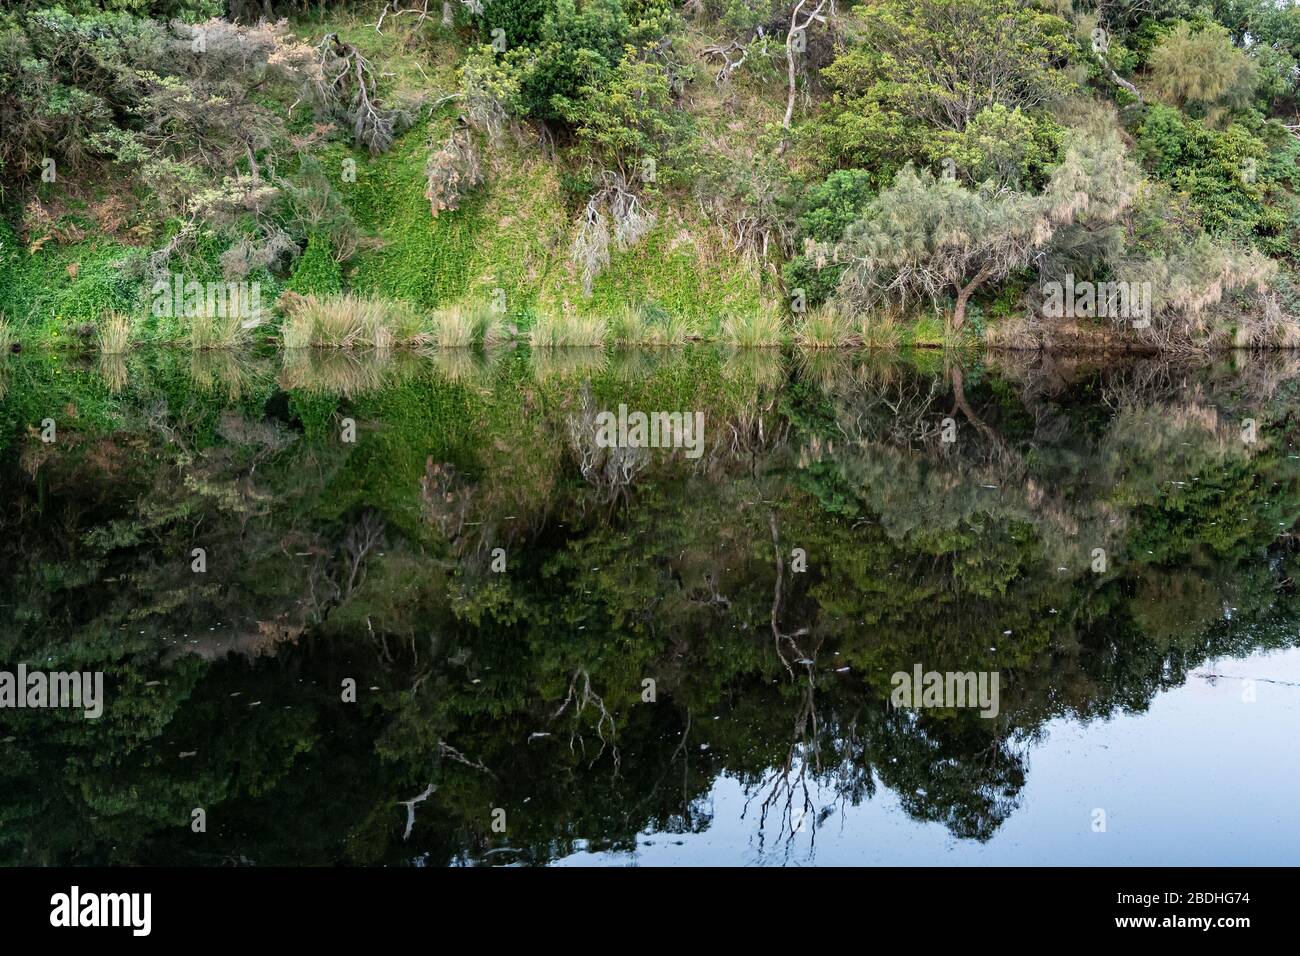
224 157
317 273
743 17
929 67
424 261
924 238
1233 179
1008 147
575 48
1277 72
835 203
829 209
312 205
59 288
559 52
520 20
111 86
630 120
188 10
1201 70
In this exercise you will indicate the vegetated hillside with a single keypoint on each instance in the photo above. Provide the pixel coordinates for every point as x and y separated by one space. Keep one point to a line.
650 171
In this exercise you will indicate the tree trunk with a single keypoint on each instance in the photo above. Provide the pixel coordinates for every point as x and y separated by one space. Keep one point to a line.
789 61
959 312
963 296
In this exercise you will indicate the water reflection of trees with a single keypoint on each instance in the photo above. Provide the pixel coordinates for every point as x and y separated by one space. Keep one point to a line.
524 690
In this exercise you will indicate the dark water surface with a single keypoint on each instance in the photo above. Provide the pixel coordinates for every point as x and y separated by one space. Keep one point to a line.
569 653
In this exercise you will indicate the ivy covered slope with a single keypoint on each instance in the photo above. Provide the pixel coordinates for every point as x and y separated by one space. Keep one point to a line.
581 172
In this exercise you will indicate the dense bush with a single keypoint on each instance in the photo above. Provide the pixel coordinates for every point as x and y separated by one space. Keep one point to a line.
1199 69
830 208
1235 180
180 108
924 70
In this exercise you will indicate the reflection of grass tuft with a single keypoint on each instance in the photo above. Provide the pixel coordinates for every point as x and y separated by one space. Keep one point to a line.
335 371
825 367
757 368
562 362
113 370
458 365
224 370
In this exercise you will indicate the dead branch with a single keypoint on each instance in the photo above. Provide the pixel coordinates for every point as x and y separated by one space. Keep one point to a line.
614 202
347 84
797 29
730 62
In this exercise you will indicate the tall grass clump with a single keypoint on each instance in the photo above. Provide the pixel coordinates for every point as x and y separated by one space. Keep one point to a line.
7 335
460 326
210 331
556 330
758 329
650 325
346 321
880 330
115 331
826 327
454 327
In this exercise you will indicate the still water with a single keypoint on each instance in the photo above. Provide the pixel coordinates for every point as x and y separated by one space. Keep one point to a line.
449 609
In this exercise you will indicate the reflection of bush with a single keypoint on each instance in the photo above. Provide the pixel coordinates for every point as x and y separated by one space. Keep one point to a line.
329 561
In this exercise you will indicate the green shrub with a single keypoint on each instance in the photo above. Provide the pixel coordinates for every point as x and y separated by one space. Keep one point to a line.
317 273
831 207
1232 178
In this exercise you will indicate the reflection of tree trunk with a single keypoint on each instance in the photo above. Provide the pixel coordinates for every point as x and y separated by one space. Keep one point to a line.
580 699
362 538
789 792
959 396
1011 464
777 636
410 809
